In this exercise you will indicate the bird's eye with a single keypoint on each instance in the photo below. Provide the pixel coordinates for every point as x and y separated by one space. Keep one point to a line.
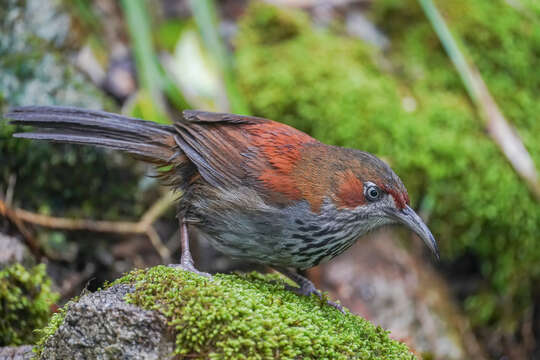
373 193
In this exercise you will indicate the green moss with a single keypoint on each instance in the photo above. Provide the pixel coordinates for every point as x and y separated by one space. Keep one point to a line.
420 120
496 217
54 323
268 25
503 41
25 302
253 317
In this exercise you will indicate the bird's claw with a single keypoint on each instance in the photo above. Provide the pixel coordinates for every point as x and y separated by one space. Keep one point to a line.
311 290
336 305
190 268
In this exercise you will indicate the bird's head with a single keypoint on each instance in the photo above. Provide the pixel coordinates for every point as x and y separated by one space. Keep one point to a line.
372 187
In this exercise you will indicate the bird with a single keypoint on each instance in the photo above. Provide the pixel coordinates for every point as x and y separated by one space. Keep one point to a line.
258 190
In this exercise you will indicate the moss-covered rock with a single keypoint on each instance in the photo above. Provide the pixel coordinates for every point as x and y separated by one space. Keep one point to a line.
43 333
25 303
418 117
101 325
247 317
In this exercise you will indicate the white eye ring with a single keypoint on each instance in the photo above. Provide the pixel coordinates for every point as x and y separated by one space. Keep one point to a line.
372 192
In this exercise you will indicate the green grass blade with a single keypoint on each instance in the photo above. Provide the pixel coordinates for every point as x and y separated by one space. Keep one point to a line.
204 12
148 72
498 127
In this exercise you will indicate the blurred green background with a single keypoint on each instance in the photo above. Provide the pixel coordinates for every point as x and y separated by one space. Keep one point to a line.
369 74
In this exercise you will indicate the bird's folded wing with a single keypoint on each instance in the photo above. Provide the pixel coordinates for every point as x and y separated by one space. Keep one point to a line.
231 151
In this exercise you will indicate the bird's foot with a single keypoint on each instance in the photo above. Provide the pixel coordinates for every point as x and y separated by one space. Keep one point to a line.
307 289
186 261
189 267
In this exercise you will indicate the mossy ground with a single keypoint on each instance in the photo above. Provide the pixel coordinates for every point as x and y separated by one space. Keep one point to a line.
253 317
409 107
25 303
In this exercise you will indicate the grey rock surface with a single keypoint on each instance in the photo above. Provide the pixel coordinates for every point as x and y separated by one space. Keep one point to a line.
102 325
12 251
16 352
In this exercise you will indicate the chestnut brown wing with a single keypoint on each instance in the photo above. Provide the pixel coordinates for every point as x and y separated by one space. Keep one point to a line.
231 151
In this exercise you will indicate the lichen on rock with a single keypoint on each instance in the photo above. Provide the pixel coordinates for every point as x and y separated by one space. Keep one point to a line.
102 325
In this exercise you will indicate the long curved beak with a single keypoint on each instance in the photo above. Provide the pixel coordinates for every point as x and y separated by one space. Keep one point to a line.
410 219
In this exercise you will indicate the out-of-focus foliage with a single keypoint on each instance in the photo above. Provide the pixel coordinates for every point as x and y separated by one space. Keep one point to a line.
502 40
196 73
205 16
414 113
504 43
25 303
54 178
151 102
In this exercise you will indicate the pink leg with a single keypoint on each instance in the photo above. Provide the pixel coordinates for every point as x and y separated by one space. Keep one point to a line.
186 261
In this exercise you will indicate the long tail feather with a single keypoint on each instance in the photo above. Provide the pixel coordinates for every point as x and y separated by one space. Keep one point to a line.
150 141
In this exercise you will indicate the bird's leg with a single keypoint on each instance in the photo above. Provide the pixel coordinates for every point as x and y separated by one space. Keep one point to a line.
186 261
306 286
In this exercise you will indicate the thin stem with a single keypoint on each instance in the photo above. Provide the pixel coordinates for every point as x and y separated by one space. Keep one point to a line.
503 134
204 12
148 72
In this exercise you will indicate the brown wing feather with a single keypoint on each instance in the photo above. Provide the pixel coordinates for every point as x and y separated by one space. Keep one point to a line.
233 151
197 116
